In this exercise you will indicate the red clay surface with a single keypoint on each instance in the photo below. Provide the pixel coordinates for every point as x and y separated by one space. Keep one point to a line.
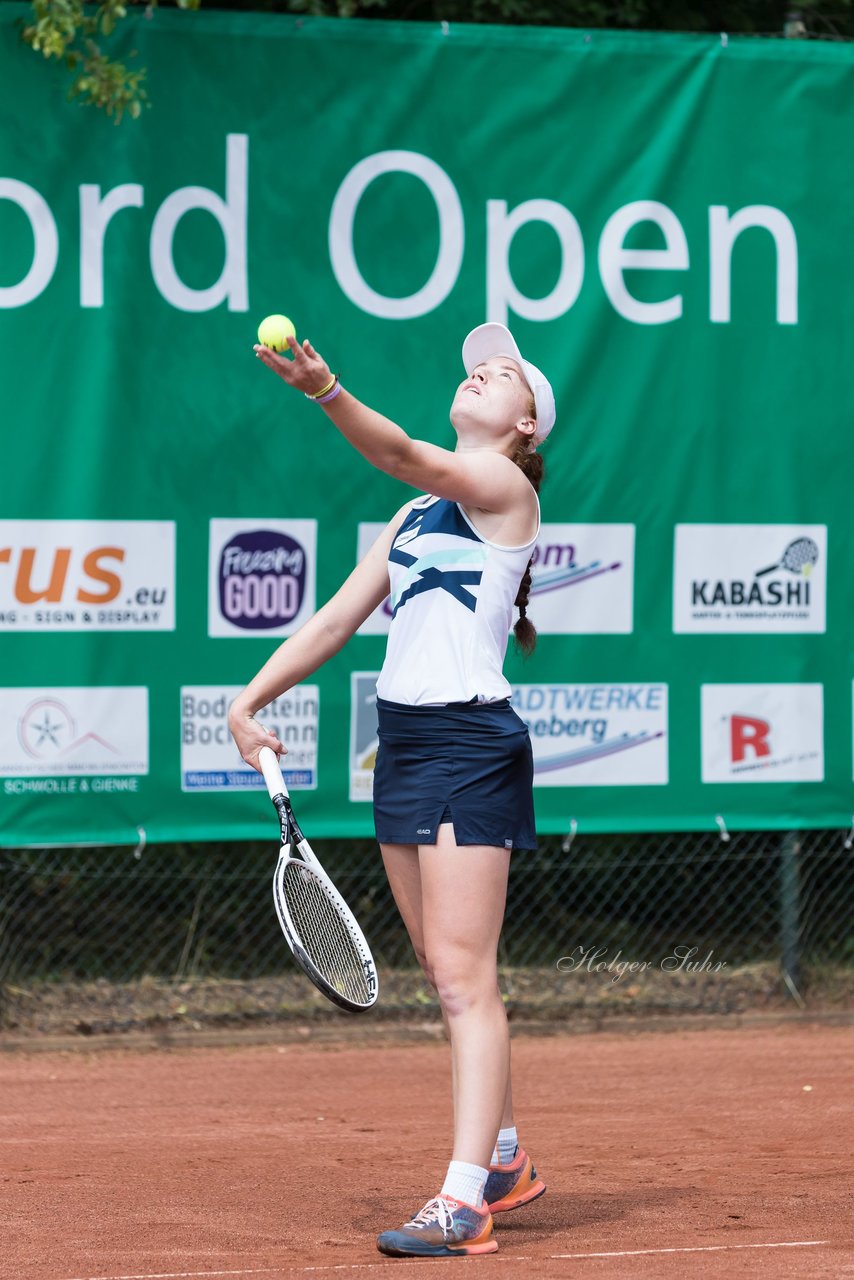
701 1147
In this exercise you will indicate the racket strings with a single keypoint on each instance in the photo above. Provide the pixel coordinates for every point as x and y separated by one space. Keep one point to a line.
333 949
324 935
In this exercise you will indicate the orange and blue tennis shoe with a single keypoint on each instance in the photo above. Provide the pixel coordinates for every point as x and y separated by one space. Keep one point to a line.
511 1185
444 1228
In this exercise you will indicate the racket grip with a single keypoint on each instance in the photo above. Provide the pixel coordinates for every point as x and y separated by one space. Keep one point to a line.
269 763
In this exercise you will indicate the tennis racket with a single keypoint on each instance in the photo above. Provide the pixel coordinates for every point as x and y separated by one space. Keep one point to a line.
799 557
319 927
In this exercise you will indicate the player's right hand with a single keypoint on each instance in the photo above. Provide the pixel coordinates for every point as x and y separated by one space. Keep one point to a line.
250 737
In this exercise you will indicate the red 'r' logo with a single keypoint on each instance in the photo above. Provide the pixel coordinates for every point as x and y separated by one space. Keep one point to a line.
749 734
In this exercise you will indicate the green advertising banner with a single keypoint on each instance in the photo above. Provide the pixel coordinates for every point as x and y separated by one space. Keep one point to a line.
663 221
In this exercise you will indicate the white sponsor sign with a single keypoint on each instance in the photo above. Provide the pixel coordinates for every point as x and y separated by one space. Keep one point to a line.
763 732
766 578
582 579
261 576
377 623
210 760
596 735
48 733
363 733
87 575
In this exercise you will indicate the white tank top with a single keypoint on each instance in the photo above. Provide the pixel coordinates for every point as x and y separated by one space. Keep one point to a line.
452 599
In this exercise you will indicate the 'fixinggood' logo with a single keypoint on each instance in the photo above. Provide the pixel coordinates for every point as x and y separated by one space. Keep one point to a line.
262 576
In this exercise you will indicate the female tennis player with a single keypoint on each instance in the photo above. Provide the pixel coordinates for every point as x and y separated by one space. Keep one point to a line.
454 771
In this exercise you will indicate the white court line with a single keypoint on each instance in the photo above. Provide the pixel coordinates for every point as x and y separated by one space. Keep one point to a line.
183 1275
364 1266
697 1248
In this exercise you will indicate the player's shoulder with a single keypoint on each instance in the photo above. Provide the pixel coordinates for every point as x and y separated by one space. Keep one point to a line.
425 500
399 518
494 468
414 505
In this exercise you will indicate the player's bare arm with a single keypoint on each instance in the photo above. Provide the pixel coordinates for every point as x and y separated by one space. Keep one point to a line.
477 477
313 644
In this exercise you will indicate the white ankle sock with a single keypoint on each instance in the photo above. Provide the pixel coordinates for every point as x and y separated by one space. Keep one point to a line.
465 1182
505 1148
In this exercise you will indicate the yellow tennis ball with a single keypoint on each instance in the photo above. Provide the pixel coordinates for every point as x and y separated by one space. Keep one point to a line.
275 331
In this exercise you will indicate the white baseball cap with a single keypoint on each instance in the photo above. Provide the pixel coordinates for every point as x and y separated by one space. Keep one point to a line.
490 340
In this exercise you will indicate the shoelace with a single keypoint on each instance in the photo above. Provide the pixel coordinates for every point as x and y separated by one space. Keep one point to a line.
435 1210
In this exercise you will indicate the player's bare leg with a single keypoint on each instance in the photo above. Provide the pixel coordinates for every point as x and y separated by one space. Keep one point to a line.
463 895
507 1113
404 876
508 1186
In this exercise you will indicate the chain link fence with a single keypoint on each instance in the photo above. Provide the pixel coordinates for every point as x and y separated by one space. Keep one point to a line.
112 939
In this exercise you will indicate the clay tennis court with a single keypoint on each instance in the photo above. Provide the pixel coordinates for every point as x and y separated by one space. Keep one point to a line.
688 1153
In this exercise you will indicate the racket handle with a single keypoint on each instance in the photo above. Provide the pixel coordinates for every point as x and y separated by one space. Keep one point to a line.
269 763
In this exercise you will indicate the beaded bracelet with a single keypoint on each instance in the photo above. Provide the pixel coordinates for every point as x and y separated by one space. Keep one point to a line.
318 395
336 390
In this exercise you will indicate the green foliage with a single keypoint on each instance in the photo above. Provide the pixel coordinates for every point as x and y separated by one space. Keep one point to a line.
70 32
76 33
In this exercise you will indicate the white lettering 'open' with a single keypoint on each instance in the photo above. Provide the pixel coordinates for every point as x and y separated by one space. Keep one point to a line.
502 293
451 235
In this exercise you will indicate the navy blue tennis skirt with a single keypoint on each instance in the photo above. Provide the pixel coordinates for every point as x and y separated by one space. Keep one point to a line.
467 763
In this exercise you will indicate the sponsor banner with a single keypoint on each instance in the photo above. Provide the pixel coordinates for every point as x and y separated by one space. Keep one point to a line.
596 735
582 579
210 760
403 247
87 575
767 578
377 623
363 733
261 576
73 733
763 732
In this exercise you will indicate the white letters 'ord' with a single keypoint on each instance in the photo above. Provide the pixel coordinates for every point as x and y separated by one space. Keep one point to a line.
230 213
451 235
96 213
45 246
